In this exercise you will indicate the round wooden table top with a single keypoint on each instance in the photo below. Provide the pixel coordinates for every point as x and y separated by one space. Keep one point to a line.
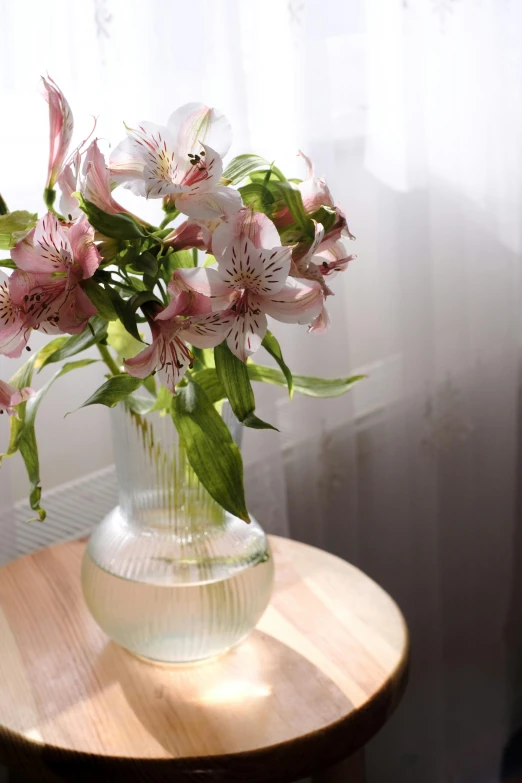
319 676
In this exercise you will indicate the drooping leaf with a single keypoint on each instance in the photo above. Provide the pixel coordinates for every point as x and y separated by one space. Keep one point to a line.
211 452
94 332
304 384
100 299
48 349
120 226
271 345
233 374
27 444
14 226
114 390
241 166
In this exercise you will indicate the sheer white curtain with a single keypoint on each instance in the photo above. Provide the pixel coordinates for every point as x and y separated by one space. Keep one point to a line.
412 109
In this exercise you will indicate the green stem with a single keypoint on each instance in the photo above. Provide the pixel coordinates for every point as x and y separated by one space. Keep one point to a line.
108 359
169 217
195 256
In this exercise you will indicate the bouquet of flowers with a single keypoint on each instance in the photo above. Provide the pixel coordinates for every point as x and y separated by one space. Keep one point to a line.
234 245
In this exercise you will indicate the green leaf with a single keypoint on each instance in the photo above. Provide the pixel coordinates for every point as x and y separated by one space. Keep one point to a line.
6 263
294 201
211 452
163 400
209 260
146 263
125 312
125 345
242 165
271 345
209 381
27 444
51 347
116 389
304 384
257 196
233 374
100 299
182 259
14 226
94 332
120 226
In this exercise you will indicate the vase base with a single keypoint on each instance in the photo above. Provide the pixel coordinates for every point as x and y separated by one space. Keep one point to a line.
178 664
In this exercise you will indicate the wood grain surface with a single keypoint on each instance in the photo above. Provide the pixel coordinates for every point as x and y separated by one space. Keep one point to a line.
319 676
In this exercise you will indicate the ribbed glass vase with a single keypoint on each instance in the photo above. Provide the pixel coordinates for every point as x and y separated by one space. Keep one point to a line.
169 574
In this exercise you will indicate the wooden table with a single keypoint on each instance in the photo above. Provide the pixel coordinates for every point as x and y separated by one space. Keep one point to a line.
318 677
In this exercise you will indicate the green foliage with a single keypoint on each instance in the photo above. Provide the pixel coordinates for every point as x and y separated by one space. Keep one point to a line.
241 166
120 226
211 452
114 390
14 225
95 332
233 375
271 345
304 384
125 345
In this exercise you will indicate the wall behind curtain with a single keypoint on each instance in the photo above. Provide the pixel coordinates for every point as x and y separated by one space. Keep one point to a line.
412 110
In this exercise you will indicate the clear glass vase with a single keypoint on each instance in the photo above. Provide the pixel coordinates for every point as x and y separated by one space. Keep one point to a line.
169 574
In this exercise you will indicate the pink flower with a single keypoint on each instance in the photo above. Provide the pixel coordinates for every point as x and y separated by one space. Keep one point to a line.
318 262
316 194
14 326
11 397
254 281
181 160
188 235
92 180
169 351
51 261
61 129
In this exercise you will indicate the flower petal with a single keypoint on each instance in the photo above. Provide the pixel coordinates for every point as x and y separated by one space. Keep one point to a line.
10 397
245 222
206 281
244 266
201 204
177 359
96 184
61 128
85 252
194 124
207 331
142 365
68 183
50 240
13 330
296 302
246 334
144 161
321 323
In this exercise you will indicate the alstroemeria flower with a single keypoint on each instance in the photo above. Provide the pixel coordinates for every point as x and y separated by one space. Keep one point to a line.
316 263
255 281
14 326
61 129
181 160
52 260
93 181
11 397
169 352
315 194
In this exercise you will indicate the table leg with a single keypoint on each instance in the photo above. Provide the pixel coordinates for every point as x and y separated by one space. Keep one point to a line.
350 770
